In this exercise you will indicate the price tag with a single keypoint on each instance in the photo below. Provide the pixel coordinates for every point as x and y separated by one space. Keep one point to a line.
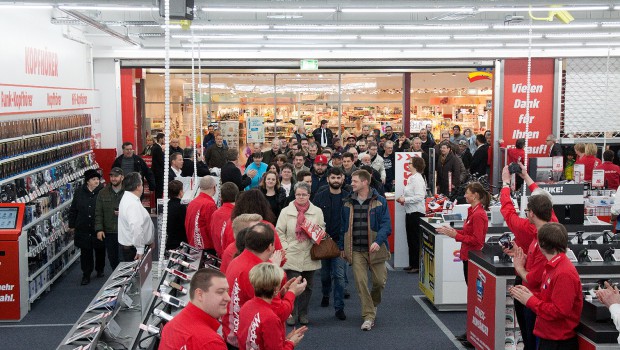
598 178
558 164
579 171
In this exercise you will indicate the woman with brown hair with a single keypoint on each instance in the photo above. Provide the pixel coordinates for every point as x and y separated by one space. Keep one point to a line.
474 229
413 198
275 194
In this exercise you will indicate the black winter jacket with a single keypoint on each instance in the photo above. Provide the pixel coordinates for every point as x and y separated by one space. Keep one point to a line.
82 216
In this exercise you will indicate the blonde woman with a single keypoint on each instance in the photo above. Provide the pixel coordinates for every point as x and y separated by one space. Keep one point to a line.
588 159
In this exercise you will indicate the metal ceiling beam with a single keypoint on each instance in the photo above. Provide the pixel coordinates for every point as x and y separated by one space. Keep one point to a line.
102 27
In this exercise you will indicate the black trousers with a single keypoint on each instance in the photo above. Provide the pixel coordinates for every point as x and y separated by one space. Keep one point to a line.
111 247
128 253
412 225
92 258
520 312
569 344
465 269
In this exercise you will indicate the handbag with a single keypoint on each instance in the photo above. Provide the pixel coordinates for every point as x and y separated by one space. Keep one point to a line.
327 249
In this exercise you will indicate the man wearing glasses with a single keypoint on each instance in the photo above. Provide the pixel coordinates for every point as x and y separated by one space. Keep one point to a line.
130 162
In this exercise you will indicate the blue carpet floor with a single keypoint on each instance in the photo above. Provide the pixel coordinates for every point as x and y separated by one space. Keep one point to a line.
401 322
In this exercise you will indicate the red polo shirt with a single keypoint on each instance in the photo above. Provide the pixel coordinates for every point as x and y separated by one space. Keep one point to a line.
197 220
192 328
473 232
241 290
558 305
260 328
221 228
589 162
612 174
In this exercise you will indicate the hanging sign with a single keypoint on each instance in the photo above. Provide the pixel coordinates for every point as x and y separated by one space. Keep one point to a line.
255 129
540 103
229 130
309 64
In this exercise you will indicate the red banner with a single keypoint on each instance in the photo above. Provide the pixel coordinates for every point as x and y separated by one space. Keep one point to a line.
540 102
481 308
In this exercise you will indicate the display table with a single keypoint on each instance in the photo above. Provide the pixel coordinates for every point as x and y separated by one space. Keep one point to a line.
491 319
441 268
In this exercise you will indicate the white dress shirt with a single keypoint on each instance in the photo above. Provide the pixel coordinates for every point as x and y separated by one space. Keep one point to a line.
177 173
135 227
415 193
614 309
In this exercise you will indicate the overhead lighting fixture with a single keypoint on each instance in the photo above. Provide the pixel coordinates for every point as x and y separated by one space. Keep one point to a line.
392 46
544 8
312 37
464 46
544 44
223 46
326 27
408 10
388 37
550 26
581 35
602 44
26 6
436 27
268 10
229 27
496 37
108 8
218 37
610 24
303 46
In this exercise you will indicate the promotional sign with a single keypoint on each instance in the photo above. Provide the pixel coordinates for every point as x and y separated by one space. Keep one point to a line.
20 99
598 178
427 265
558 164
230 132
481 308
579 171
401 250
255 129
540 103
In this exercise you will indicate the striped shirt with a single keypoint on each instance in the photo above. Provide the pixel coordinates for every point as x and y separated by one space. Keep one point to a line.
360 225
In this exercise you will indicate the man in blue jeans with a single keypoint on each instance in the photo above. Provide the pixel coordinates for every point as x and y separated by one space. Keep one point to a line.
329 199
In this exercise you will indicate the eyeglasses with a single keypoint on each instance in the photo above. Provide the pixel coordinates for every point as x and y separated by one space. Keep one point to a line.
302 195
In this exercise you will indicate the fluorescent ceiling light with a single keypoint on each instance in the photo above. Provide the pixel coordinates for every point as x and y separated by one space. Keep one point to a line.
268 10
229 27
496 37
327 27
312 37
26 6
230 46
435 27
219 37
581 35
543 44
602 44
407 10
549 26
465 46
610 24
544 8
388 37
392 46
108 8
303 46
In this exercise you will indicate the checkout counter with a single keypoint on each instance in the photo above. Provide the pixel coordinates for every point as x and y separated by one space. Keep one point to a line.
441 268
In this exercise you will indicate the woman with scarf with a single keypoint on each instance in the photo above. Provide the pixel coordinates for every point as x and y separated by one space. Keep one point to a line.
297 244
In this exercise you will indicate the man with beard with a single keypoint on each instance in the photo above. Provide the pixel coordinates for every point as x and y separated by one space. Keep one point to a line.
298 163
402 144
365 133
336 161
329 199
319 174
351 140
427 142
217 155
389 134
389 162
362 146
304 146
106 214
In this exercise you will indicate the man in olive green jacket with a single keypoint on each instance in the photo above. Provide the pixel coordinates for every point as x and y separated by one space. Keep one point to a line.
106 214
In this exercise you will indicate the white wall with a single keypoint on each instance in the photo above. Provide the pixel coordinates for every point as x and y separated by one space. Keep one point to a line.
107 81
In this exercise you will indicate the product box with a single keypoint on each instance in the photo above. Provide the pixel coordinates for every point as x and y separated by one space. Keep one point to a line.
510 317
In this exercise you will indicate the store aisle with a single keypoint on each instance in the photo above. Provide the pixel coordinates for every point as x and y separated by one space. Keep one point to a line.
401 322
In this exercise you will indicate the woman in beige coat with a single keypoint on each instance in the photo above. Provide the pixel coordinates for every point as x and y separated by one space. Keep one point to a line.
297 245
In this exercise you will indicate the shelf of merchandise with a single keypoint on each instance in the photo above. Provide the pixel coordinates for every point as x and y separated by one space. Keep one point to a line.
42 268
51 281
28 154
3 181
47 215
23 137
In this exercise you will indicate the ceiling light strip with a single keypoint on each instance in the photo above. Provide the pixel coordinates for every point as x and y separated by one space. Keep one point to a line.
545 8
108 8
269 10
409 10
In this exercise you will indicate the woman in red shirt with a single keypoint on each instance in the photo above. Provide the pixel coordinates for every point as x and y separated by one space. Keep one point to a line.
259 326
588 159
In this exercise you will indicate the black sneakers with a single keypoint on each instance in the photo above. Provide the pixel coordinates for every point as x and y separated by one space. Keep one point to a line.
341 315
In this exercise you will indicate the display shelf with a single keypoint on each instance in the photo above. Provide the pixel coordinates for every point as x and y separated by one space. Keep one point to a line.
44 167
57 147
48 214
50 282
36 273
56 184
23 137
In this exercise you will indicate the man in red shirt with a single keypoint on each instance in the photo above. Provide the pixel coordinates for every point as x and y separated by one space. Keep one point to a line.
612 171
259 247
195 327
529 271
198 217
221 226
559 302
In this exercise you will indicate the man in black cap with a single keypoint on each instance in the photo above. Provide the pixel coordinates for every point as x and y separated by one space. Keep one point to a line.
323 136
336 161
106 214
